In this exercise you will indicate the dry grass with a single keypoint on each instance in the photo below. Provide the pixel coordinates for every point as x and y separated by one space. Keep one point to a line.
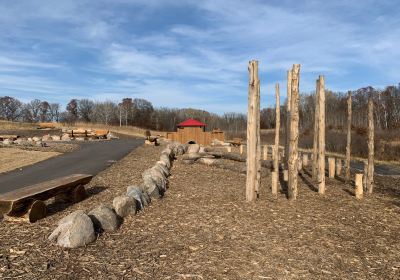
7 125
13 158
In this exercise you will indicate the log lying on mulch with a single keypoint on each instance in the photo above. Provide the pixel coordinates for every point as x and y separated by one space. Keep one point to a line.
78 229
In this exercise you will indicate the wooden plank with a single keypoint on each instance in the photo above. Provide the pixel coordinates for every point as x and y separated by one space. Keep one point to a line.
14 201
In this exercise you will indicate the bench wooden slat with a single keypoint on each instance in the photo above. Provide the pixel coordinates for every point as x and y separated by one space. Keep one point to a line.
15 200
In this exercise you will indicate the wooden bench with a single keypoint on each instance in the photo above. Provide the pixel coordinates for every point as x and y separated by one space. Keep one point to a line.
28 203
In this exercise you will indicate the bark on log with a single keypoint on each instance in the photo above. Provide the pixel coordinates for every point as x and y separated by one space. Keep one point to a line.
294 134
321 135
287 139
252 136
315 142
370 174
359 186
277 128
348 146
331 167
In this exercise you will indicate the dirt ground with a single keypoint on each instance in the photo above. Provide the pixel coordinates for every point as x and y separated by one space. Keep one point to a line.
13 158
203 229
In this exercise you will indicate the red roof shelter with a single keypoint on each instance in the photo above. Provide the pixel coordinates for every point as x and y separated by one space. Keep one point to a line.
191 123
193 131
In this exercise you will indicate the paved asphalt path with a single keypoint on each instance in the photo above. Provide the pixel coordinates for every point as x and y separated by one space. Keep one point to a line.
90 158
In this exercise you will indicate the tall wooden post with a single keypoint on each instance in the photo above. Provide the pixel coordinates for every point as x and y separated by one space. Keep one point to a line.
289 100
358 191
258 155
321 135
294 133
252 135
315 143
276 148
370 171
348 146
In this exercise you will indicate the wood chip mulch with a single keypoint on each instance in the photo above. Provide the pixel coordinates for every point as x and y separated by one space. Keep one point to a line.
204 229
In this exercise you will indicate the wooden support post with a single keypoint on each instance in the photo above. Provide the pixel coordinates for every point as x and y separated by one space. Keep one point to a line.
316 130
252 135
285 175
289 100
294 133
305 160
359 186
321 135
258 154
338 167
331 167
365 175
274 178
370 170
265 152
241 149
348 146
276 147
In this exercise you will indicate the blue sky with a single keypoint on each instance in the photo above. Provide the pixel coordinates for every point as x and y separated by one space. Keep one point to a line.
192 53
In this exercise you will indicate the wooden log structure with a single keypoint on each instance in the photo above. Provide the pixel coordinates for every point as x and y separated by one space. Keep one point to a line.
348 145
305 160
252 179
287 138
321 135
258 133
265 152
331 167
294 133
338 167
315 142
276 147
370 169
358 191
28 202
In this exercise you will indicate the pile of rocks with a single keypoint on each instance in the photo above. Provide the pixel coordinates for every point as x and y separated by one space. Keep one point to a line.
80 228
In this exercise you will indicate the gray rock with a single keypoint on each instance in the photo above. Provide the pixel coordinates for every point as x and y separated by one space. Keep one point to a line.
124 206
188 161
162 168
141 197
7 142
193 148
104 218
166 160
46 137
74 230
207 161
150 187
180 150
36 139
56 137
39 143
80 138
157 176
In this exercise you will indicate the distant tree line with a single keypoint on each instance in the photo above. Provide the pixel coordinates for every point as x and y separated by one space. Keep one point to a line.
141 113
386 109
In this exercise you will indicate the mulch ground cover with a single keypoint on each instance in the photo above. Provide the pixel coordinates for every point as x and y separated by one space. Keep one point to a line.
204 229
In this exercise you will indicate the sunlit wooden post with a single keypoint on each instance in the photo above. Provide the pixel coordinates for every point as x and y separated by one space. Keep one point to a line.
348 146
370 169
276 147
321 135
359 186
252 135
338 167
315 142
265 152
287 138
258 133
294 133
331 167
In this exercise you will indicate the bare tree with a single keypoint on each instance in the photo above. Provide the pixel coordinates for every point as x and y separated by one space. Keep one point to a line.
10 108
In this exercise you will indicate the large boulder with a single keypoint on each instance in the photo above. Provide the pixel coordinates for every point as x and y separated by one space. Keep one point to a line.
160 165
74 230
158 178
141 197
7 142
104 218
193 148
164 158
180 150
124 206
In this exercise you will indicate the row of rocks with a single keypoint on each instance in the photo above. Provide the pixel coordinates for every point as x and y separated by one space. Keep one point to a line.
79 228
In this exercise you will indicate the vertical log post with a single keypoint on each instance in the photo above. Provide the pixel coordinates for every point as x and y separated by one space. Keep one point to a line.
321 135
331 167
370 169
241 149
305 160
265 152
276 147
252 135
348 146
359 186
258 154
294 133
289 100
338 167
315 142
